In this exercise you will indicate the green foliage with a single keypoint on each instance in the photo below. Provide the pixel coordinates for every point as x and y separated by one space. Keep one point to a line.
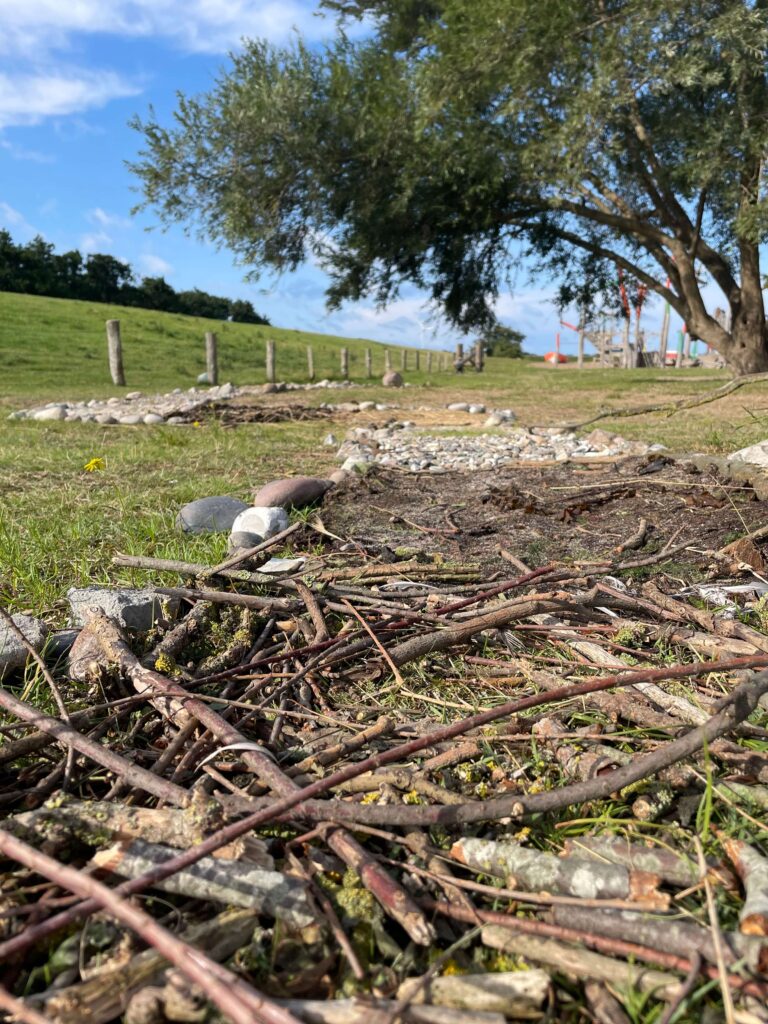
623 135
503 341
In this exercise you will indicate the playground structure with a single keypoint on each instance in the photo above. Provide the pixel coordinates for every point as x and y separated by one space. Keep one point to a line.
618 345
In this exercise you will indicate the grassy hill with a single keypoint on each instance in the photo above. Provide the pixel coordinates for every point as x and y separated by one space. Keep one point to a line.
58 347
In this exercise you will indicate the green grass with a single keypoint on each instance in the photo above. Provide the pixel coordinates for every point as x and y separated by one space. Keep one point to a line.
57 347
59 525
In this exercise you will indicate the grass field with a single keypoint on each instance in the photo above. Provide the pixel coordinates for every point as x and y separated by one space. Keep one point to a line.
59 524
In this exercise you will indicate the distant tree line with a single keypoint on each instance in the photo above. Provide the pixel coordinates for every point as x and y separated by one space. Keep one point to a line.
36 269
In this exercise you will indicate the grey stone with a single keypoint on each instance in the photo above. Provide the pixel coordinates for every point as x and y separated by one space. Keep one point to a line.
476 409
105 418
175 421
52 412
130 421
13 653
366 406
130 609
348 407
494 420
265 521
293 492
153 418
114 400
392 379
240 539
210 515
338 476
354 464
203 378
458 407
133 395
330 440
20 414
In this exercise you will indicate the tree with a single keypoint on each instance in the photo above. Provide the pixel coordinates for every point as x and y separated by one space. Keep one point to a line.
242 311
503 341
458 141
105 278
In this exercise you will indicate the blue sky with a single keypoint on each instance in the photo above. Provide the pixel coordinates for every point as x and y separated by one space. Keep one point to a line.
72 72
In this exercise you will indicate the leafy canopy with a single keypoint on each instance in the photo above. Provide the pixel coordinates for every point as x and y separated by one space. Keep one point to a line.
462 140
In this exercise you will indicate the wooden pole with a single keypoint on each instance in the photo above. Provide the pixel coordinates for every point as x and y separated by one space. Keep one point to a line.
271 362
115 353
479 356
680 348
387 360
368 363
429 362
417 359
345 364
459 352
403 359
580 363
310 362
211 357
626 353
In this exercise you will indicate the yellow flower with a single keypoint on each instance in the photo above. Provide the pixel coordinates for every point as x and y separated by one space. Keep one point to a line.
95 464
197 423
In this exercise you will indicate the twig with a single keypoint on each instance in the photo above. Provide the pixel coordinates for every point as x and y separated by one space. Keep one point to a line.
245 554
234 997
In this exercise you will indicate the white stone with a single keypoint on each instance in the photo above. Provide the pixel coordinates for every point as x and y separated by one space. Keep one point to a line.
52 412
133 395
152 417
129 421
458 407
330 440
105 418
367 406
476 409
754 455
263 520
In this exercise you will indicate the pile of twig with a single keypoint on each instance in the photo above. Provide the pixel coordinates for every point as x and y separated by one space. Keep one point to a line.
281 806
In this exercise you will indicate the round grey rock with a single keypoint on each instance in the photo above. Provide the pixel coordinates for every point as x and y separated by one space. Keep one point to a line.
13 653
240 539
392 379
130 609
210 515
153 418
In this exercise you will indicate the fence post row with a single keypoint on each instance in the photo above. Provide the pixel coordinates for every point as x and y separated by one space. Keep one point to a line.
115 353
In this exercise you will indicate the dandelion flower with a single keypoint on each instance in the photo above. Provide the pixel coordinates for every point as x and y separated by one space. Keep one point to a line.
95 465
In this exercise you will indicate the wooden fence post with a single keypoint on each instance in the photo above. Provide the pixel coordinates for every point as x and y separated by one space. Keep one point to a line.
664 339
429 362
271 362
479 356
115 352
387 360
580 363
211 357
310 363
459 352
368 363
417 359
403 359
345 364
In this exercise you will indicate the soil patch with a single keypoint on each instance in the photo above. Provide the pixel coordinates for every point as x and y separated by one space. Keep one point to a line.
543 513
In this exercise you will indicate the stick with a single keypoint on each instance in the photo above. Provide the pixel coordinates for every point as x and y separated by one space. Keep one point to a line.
742 701
246 553
672 407
234 997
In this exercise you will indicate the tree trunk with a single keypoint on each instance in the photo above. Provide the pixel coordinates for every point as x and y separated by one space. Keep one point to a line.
748 349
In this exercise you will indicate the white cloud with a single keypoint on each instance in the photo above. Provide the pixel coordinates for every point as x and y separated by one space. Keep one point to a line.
95 241
30 97
35 27
154 266
16 223
22 153
107 220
